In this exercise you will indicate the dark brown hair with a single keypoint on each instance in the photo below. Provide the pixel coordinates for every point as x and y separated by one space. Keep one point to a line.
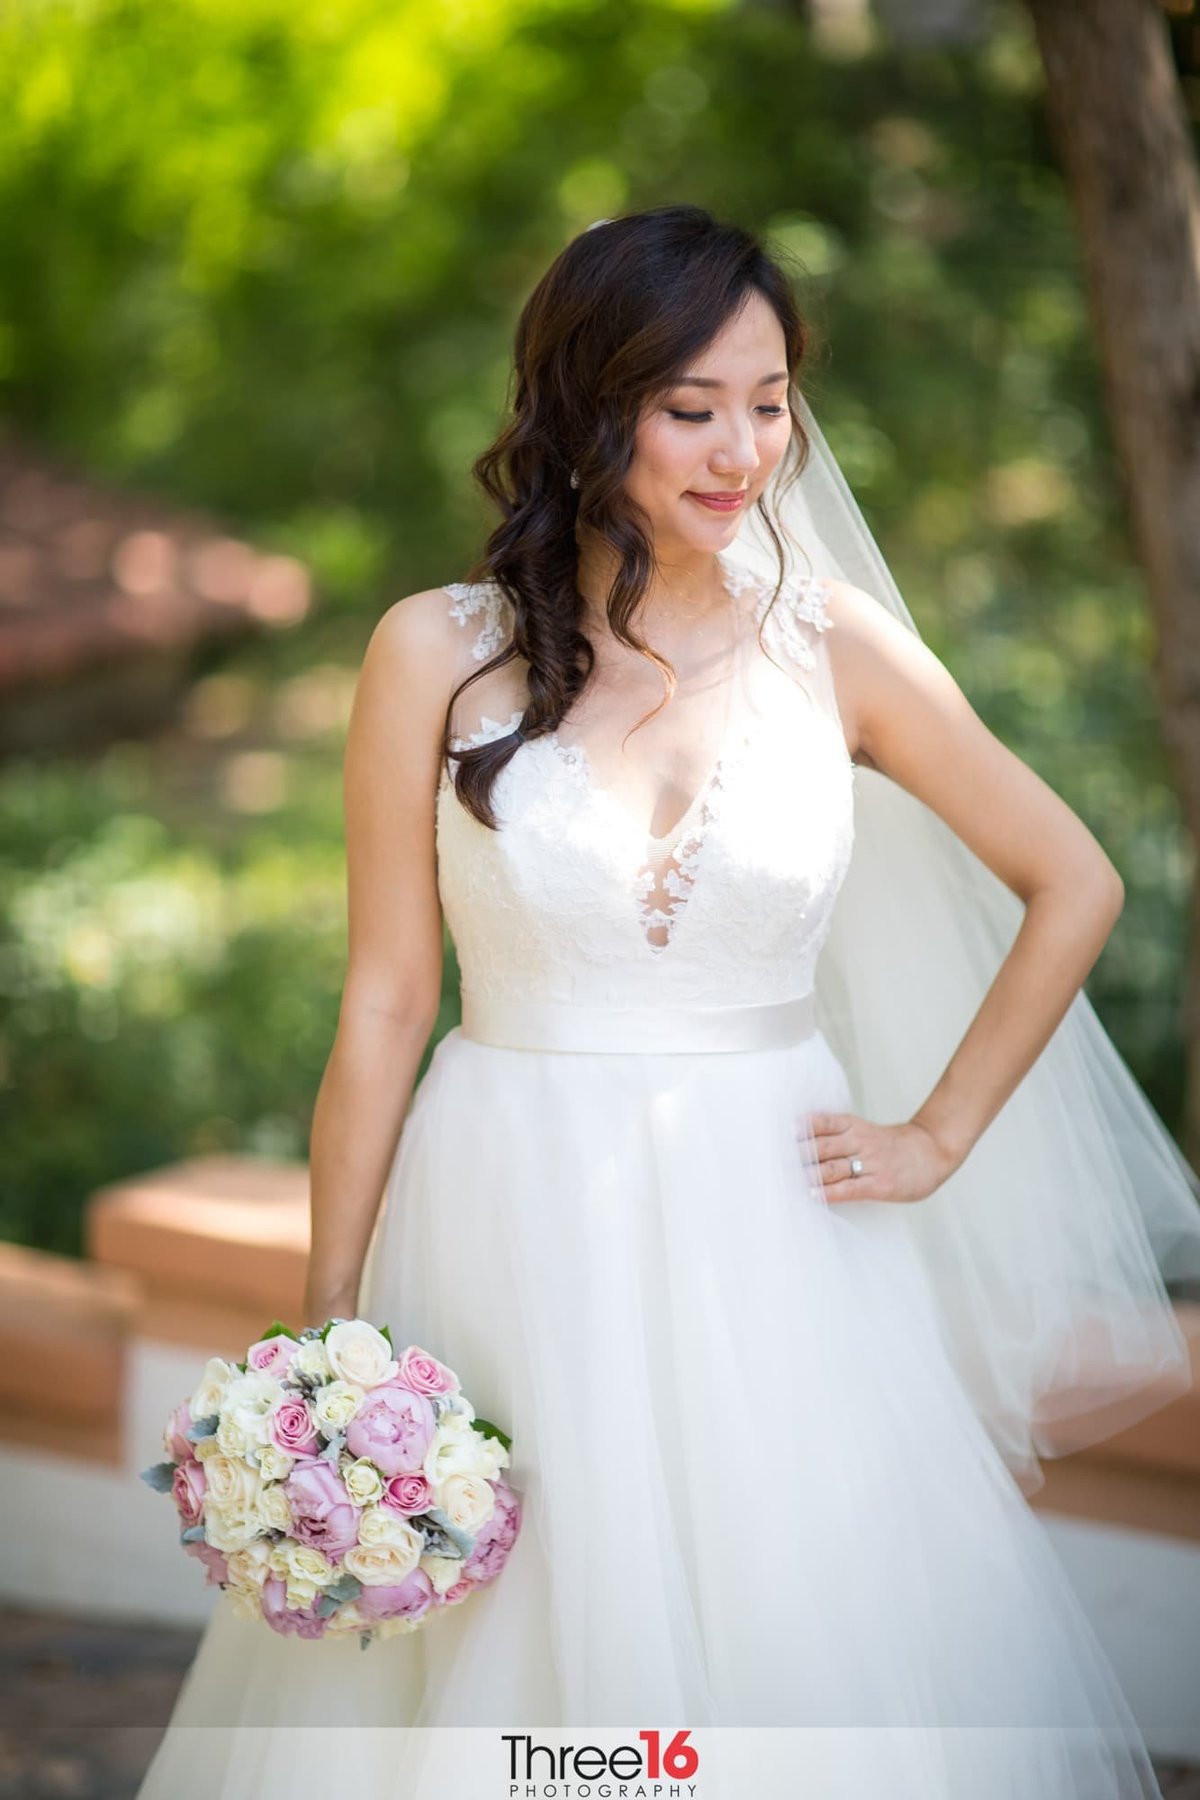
612 324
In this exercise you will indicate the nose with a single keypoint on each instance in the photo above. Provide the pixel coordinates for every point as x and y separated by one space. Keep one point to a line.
738 454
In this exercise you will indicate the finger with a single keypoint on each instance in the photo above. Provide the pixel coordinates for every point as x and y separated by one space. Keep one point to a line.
850 1187
829 1127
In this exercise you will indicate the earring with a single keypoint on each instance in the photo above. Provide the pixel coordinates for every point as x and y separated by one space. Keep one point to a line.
574 478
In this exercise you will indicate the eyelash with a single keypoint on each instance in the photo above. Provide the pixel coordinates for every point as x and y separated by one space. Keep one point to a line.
701 418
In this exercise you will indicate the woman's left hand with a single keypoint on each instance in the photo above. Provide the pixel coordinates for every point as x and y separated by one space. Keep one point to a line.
900 1163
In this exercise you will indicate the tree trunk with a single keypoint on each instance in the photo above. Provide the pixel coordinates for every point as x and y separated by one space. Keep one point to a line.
1117 112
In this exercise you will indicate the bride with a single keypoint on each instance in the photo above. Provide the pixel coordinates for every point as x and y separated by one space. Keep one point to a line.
779 1191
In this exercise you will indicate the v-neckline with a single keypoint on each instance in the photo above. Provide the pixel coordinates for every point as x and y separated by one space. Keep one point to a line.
603 792
734 576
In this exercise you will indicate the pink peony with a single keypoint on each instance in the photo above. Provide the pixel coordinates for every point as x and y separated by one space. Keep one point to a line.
408 1600
421 1373
303 1622
496 1536
293 1427
407 1494
459 1591
393 1429
323 1515
272 1356
176 1441
187 1491
215 1565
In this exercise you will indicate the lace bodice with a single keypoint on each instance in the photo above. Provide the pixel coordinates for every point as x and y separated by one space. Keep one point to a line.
572 900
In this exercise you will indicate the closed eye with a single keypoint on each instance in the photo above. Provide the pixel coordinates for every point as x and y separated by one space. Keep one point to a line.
700 418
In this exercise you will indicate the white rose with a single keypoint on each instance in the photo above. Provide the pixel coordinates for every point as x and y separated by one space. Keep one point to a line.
310 1359
364 1484
334 1406
380 1565
233 1439
443 1571
247 1404
274 1510
206 1448
230 1527
390 1628
250 1567
274 1464
360 1354
456 1448
231 1484
345 1620
300 1563
205 1403
245 1602
380 1525
466 1500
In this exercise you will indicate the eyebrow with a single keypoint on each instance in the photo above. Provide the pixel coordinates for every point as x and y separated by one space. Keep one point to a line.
705 381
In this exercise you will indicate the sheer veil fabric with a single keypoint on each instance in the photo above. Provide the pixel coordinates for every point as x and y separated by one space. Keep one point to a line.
1048 1249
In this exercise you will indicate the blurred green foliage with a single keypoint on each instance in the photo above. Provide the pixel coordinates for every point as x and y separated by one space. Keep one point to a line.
266 258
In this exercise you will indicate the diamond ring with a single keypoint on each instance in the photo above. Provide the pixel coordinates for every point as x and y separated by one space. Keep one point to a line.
856 1165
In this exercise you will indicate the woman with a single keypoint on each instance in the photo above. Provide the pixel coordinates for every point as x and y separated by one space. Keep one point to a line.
769 1431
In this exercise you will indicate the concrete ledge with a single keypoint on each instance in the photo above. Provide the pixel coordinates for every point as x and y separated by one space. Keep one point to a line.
64 1328
219 1245
1146 1476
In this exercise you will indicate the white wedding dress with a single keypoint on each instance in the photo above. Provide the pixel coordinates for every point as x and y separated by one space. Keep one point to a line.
755 1493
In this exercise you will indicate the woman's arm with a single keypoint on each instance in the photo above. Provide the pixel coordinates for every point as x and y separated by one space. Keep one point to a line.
905 716
394 974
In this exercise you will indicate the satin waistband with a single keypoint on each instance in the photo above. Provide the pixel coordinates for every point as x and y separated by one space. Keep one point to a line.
563 1025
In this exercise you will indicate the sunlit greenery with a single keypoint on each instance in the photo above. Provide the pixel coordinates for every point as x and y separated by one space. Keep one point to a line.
266 259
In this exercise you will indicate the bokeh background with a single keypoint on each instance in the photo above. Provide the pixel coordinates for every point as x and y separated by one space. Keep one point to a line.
264 260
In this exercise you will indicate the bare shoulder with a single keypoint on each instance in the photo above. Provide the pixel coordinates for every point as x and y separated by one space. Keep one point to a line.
411 666
417 634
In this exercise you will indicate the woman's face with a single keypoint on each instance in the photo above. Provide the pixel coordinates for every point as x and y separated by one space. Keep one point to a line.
723 438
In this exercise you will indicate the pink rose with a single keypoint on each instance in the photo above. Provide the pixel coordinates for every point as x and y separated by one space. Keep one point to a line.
216 1568
496 1536
272 1356
408 1600
323 1515
293 1427
421 1373
301 1622
393 1428
187 1491
459 1591
176 1441
407 1494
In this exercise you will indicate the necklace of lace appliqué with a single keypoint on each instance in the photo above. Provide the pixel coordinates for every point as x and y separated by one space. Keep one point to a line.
664 881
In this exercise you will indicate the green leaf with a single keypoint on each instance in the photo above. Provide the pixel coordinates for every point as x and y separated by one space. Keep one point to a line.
277 1329
193 1535
160 1477
203 1428
463 1541
385 1331
346 1587
487 1429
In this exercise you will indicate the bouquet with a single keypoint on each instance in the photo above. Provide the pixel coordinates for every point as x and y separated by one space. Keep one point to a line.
333 1487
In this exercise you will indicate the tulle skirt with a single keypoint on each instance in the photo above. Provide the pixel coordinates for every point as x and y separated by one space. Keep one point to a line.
755 1493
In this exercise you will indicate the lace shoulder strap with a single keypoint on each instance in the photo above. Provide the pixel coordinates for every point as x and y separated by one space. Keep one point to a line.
799 616
796 624
488 604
